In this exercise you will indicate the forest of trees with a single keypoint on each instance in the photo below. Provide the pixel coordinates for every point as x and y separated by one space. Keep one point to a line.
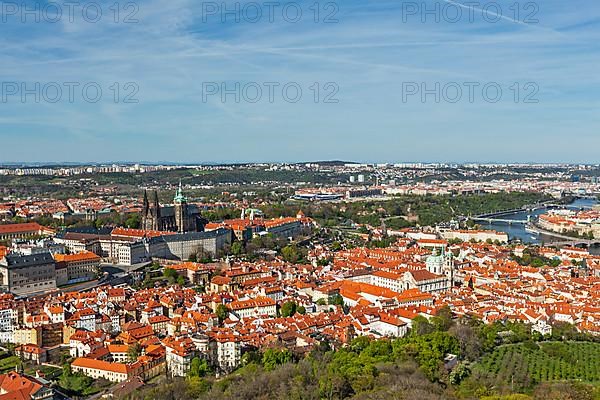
429 210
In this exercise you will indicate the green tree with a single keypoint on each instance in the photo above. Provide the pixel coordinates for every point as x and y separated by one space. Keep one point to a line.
272 358
324 261
171 275
460 373
154 266
133 221
443 320
537 263
251 357
67 369
196 387
288 309
421 326
336 246
290 254
222 312
198 368
237 248
134 351
147 282
336 300
555 262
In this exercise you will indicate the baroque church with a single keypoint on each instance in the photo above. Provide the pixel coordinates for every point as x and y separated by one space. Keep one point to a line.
442 263
180 217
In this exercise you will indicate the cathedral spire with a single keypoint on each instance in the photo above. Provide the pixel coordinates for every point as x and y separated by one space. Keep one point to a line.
146 205
156 205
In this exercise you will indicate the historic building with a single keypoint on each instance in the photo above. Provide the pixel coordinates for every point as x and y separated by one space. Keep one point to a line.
79 267
180 217
23 231
26 274
442 263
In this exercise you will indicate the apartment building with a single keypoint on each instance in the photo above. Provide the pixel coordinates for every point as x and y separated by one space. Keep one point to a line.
225 351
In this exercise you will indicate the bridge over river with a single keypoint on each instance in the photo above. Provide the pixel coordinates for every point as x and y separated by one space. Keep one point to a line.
521 224
500 220
497 216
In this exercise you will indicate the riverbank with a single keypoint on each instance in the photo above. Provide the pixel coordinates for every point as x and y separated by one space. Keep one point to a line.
540 236
532 227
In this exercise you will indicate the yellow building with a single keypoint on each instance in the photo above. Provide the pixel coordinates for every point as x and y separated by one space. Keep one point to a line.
28 336
68 331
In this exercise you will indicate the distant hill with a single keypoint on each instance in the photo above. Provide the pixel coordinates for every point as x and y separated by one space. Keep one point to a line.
333 163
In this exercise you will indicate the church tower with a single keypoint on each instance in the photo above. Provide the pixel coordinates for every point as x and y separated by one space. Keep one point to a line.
145 211
146 205
449 268
181 211
150 213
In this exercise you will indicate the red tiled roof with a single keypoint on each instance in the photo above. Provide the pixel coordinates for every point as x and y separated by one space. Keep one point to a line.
23 228
101 365
86 255
16 386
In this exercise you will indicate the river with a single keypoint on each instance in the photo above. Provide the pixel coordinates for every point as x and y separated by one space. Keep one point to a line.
517 231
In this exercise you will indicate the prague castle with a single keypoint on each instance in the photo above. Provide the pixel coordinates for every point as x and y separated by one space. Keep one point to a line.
180 217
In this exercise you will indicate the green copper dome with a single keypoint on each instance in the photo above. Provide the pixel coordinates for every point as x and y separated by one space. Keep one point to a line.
179 197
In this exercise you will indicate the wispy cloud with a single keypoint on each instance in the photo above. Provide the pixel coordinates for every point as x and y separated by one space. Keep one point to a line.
369 54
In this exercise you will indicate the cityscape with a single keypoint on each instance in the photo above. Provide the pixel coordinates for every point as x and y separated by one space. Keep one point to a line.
137 281
299 200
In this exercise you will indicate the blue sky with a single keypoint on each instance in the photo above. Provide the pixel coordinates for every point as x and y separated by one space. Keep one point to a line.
372 55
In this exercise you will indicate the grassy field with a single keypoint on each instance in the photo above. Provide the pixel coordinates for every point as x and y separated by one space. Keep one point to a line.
527 364
50 373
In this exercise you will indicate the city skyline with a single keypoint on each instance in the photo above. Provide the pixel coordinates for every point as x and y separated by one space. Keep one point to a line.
56 164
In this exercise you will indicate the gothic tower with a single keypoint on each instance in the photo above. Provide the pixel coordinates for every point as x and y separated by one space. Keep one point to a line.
145 211
149 213
146 206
